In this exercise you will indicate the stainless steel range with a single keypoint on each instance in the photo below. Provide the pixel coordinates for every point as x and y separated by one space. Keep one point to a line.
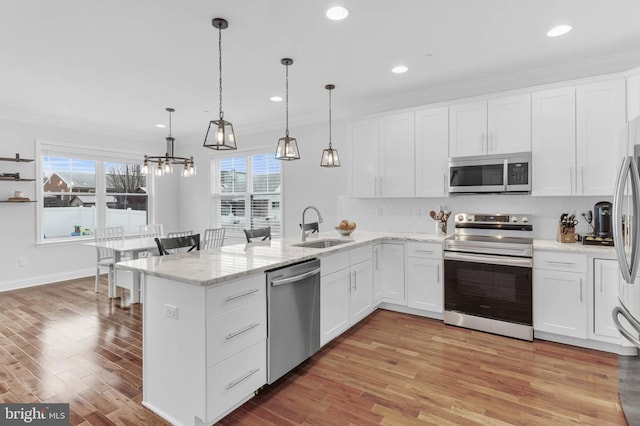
488 274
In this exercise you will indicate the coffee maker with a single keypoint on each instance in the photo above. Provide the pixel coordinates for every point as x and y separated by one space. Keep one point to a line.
602 225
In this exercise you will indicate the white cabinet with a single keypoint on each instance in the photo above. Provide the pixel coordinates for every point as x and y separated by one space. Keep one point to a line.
553 152
606 280
346 291
600 122
424 277
389 272
497 126
578 138
560 294
216 334
380 147
432 151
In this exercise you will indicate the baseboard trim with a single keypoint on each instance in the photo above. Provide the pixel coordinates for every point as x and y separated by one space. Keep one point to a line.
45 279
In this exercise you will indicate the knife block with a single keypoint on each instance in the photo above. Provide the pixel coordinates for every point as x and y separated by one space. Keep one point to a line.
568 236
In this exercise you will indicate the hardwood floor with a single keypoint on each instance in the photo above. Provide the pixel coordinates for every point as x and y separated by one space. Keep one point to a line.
64 343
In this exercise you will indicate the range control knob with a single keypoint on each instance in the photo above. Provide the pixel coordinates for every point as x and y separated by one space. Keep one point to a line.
514 219
460 218
525 219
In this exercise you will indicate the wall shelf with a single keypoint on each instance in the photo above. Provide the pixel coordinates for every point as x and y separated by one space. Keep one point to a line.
16 159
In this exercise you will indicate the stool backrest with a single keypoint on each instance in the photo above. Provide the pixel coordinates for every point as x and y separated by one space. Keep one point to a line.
174 243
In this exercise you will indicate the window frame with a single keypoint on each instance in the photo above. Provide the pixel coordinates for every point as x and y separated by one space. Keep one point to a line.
100 156
214 167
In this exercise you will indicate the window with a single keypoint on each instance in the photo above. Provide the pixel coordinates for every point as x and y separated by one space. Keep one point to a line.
246 194
83 190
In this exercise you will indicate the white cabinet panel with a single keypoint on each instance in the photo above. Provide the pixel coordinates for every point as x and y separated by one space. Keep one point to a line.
509 124
600 121
560 303
606 280
364 157
424 284
432 152
389 273
361 291
553 153
397 156
335 305
467 129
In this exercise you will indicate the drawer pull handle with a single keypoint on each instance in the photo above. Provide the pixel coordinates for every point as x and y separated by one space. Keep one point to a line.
241 379
423 251
242 330
246 293
560 263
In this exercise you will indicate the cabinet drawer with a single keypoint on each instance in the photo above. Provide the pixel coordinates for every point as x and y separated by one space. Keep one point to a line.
360 254
334 263
234 380
554 261
221 298
424 250
235 330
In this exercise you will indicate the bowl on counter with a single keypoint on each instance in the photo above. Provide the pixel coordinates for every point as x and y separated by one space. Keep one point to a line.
345 232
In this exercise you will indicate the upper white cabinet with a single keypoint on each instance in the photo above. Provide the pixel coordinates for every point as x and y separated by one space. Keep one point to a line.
553 144
600 121
497 126
577 138
432 151
381 148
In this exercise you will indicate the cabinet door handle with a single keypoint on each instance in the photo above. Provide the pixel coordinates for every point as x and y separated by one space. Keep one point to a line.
582 179
246 293
490 148
376 258
581 289
571 179
242 378
482 143
355 281
444 182
438 273
242 330
601 280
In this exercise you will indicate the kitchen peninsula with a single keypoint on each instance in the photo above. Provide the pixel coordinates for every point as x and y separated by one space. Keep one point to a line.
206 311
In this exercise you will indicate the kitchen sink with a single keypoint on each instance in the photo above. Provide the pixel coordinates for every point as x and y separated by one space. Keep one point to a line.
320 243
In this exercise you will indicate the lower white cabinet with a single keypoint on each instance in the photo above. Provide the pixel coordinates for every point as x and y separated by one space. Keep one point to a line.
217 337
389 272
424 277
606 280
560 294
346 291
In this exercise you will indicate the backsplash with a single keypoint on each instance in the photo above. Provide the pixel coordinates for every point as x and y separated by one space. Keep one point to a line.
412 214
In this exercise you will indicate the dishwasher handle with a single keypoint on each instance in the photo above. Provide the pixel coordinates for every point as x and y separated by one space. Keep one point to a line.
295 278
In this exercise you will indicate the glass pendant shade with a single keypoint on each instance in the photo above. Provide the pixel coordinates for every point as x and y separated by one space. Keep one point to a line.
220 135
287 149
330 158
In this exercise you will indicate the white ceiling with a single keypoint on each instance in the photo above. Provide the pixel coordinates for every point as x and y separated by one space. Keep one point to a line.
118 63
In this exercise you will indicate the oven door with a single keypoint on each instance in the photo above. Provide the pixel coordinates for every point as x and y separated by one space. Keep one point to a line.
489 286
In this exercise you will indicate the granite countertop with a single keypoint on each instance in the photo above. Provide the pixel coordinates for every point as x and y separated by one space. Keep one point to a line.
208 267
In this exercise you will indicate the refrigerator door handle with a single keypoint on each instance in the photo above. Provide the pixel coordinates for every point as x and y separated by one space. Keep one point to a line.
622 310
628 170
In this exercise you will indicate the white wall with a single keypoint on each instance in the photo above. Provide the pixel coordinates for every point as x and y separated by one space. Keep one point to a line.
49 263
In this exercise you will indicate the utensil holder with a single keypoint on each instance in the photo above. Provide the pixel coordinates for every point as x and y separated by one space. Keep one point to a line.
441 228
568 235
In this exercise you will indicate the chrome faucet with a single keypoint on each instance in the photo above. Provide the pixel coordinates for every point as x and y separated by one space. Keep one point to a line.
304 233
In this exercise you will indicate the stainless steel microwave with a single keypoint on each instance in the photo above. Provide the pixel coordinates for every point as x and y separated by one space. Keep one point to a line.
509 173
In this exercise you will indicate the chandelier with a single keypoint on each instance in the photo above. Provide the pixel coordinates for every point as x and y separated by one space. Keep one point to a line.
165 162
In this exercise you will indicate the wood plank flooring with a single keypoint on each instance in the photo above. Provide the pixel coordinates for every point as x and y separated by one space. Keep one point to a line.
64 343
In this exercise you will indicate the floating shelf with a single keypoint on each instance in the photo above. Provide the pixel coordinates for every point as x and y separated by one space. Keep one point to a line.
16 159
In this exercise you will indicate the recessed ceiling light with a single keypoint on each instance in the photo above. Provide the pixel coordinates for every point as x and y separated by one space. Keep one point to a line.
399 69
276 98
160 126
337 13
559 30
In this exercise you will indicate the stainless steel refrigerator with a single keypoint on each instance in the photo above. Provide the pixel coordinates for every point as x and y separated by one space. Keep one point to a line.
626 236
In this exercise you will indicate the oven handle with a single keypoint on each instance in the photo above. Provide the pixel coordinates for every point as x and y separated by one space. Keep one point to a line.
492 260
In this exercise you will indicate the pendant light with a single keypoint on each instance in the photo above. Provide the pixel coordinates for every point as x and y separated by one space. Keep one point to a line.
222 136
165 162
330 156
287 149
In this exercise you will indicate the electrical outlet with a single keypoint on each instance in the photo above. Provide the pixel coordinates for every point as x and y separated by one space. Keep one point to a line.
171 311
22 262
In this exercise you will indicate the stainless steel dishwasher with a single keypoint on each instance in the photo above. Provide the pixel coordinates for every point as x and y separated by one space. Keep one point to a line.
293 326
